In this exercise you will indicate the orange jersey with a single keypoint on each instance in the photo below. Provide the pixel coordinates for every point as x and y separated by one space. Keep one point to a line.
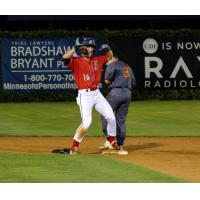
87 74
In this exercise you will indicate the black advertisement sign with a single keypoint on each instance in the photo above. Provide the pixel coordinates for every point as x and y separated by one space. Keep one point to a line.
161 63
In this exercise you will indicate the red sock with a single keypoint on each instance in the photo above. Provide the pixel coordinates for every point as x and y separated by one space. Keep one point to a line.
75 144
111 138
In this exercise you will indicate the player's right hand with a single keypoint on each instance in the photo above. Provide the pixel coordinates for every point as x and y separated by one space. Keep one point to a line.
78 44
78 47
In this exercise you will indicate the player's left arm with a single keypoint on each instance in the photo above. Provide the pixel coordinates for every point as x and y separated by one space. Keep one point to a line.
109 74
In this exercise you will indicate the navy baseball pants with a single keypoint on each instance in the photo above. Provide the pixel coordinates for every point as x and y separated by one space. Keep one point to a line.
119 99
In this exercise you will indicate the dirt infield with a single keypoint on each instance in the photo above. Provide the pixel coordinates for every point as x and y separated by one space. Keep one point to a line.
178 156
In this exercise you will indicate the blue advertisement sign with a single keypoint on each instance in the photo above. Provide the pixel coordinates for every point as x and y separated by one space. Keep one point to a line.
33 64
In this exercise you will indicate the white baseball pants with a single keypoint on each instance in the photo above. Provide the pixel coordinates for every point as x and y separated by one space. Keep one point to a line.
86 100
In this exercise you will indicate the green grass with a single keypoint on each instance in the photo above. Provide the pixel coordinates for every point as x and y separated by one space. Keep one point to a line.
145 118
36 168
164 118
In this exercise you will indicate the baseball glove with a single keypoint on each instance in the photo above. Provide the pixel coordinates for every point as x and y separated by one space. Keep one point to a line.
61 151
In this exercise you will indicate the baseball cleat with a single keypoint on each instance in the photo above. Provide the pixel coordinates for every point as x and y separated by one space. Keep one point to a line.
113 145
105 145
122 151
73 152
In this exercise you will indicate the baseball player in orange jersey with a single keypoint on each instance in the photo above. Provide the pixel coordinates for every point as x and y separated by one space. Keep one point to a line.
86 70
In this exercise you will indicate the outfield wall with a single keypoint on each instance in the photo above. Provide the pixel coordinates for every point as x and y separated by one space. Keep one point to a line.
165 63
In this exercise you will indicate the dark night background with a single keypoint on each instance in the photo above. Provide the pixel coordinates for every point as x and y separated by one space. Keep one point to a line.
98 22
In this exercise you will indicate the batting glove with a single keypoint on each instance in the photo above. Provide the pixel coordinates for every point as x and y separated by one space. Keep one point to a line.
105 47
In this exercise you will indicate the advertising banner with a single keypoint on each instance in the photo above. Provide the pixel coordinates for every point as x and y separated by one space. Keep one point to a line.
161 62
30 65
